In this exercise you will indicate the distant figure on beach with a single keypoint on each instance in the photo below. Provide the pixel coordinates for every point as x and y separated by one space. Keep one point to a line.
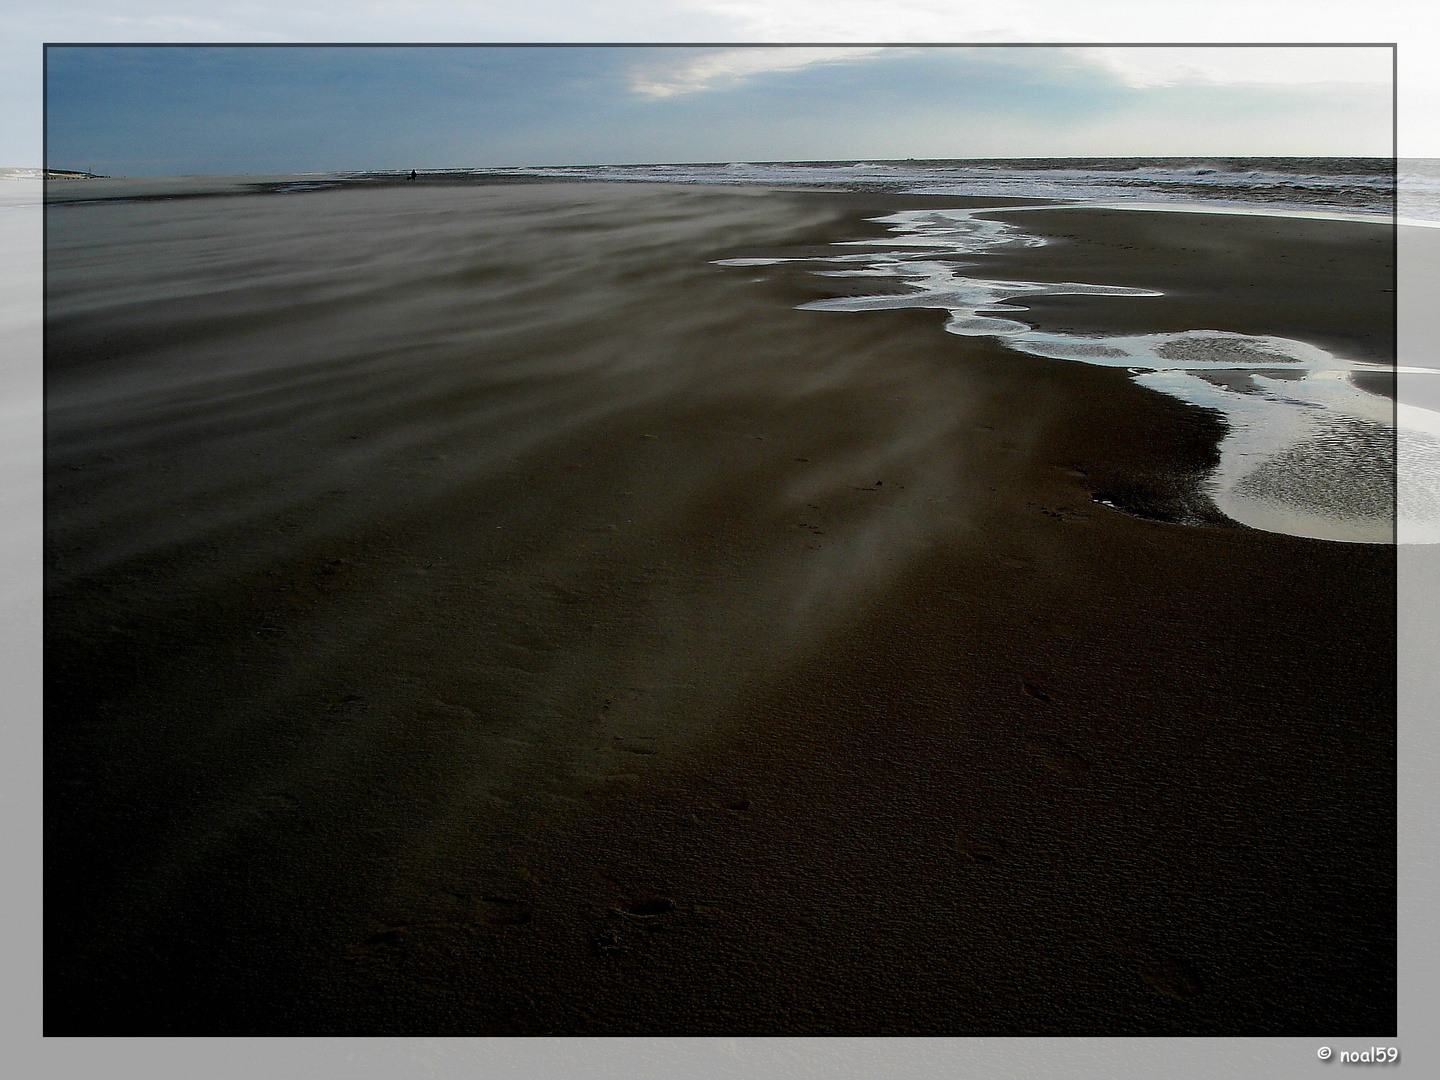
412 174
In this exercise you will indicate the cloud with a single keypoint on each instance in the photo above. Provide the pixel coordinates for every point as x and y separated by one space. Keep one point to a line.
732 67
1143 68
938 21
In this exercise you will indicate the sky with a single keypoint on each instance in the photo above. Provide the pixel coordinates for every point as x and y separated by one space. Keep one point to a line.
1214 105
148 111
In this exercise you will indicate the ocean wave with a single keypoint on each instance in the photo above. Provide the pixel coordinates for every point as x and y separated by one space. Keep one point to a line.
1359 184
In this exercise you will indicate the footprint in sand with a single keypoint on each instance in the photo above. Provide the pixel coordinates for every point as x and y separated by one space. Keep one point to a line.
1035 692
984 852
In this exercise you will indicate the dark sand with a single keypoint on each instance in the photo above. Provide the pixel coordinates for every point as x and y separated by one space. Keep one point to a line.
1330 283
544 631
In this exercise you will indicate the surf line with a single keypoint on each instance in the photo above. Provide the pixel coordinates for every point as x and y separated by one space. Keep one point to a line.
1308 450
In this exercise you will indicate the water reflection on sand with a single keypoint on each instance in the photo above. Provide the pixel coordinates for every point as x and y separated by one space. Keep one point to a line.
1310 451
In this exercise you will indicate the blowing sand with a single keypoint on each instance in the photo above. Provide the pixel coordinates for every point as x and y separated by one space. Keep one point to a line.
471 611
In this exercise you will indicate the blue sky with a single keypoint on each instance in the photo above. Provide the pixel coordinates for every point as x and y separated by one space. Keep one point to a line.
136 111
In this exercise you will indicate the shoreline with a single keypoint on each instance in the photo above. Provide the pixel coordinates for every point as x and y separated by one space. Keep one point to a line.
808 629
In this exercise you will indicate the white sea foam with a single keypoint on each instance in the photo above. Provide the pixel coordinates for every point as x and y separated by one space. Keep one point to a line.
1361 186
752 262
1308 450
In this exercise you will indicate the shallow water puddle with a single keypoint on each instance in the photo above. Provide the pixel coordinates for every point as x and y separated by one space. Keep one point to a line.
1309 452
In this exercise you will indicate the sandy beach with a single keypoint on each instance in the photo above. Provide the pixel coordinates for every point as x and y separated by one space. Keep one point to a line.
469 610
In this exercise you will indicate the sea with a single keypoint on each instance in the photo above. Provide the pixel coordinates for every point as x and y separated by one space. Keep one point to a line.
1407 187
1367 186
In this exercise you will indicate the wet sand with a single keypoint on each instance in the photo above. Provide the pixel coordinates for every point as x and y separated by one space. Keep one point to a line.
529 627
1328 283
